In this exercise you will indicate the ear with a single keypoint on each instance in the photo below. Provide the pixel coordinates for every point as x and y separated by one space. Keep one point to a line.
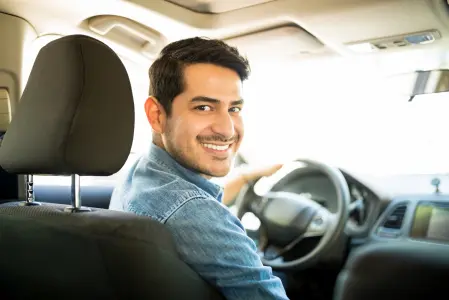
155 114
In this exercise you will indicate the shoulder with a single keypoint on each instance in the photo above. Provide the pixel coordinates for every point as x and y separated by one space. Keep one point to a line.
157 193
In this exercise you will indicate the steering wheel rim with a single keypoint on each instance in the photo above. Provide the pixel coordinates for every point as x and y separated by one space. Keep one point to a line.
334 228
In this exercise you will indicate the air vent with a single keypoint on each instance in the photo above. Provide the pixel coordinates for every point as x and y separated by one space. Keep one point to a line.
391 227
394 220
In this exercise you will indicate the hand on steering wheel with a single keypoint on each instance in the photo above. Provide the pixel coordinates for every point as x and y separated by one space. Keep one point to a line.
288 218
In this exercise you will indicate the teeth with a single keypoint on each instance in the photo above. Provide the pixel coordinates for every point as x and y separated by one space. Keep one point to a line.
216 147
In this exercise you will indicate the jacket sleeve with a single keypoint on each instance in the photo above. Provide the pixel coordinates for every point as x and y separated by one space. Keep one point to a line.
214 243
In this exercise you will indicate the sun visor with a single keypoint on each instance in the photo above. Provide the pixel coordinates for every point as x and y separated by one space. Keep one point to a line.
281 42
216 6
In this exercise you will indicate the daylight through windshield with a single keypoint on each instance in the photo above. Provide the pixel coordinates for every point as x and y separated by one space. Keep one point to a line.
346 115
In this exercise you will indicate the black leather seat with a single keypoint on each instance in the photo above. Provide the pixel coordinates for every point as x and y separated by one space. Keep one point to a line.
76 116
395 270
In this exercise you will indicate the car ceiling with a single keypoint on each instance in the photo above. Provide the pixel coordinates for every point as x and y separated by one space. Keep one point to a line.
333 23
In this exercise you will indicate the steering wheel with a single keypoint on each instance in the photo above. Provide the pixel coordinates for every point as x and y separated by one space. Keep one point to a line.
288 218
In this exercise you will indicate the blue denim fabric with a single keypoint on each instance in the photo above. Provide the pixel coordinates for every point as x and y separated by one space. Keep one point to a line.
208 237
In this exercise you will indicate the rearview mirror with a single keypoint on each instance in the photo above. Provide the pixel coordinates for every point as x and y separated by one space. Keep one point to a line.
430 82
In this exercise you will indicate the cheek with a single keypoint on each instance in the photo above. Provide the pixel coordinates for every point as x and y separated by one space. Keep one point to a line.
195 126
174 129
239 126
185 130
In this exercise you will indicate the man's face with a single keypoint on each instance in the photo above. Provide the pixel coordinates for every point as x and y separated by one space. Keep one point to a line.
205 127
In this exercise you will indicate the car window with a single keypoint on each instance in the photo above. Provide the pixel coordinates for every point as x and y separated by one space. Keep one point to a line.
345 112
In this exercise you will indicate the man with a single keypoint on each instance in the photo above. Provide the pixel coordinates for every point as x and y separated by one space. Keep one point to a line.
194 110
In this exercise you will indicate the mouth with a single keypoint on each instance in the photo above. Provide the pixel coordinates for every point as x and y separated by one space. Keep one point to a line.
216 147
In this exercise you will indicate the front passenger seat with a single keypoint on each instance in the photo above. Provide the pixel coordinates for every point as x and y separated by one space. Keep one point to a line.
76 117
395 270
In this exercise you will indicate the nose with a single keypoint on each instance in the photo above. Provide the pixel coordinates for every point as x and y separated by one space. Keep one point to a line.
224 125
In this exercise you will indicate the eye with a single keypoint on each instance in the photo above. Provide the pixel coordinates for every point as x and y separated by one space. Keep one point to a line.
203 108
235 109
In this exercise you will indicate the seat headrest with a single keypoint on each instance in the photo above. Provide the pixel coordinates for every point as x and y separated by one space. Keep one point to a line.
76 114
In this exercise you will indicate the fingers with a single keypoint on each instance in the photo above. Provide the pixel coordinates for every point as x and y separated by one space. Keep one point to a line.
270 170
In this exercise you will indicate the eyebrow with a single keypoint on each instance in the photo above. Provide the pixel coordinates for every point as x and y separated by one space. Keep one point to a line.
215 101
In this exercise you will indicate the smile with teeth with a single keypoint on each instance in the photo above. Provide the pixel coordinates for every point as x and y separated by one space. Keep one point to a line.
217 147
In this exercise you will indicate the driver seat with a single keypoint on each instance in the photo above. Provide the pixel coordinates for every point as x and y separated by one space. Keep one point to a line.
76 117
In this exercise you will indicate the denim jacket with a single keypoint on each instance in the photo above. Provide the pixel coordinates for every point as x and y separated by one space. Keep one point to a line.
210 239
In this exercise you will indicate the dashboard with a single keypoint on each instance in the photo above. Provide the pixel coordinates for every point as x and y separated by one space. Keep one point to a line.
375 216
416 218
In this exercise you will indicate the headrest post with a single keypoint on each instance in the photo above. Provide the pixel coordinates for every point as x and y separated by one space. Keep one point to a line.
76 196
29 192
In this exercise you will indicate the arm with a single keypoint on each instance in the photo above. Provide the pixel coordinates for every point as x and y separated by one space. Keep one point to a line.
233 187
214 243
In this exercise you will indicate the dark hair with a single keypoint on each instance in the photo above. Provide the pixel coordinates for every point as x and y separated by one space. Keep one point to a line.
167 71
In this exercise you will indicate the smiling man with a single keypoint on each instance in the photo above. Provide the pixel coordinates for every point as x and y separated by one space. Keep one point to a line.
194 110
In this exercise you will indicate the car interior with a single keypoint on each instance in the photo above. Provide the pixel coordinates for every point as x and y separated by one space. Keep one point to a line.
350 95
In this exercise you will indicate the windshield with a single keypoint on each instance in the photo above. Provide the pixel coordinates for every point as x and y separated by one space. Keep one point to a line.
344 113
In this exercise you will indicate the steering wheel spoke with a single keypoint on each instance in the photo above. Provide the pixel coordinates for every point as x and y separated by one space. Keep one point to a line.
321 222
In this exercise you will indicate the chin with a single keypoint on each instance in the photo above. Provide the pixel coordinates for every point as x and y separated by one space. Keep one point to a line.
220 174
219 171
